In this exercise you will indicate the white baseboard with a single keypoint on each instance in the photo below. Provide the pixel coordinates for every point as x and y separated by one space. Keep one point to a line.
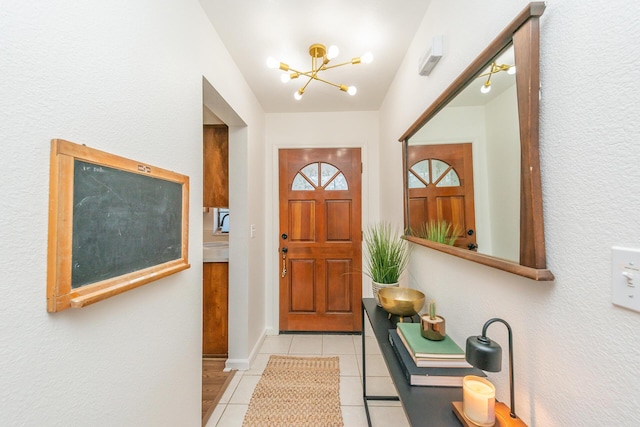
269 331
245 364
237 364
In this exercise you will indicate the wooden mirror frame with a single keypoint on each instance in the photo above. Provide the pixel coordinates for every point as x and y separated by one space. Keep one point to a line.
524 33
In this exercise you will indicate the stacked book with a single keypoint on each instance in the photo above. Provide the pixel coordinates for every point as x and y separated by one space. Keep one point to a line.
429 363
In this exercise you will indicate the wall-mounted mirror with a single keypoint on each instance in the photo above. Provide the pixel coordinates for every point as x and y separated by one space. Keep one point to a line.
471 159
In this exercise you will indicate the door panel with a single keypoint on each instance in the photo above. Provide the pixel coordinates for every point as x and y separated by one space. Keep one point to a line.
338 285
419 212
338 222
452 207
302 285
302 221
320 214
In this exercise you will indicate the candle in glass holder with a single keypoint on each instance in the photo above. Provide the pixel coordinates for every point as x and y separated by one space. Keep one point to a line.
478 400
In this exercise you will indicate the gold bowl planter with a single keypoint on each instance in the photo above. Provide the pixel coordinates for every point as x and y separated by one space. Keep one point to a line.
401 301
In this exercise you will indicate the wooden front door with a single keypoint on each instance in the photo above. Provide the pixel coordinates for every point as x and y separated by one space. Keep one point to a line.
320 239
440 186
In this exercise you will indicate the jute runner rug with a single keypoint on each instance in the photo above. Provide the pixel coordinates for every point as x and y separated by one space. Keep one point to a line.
297 392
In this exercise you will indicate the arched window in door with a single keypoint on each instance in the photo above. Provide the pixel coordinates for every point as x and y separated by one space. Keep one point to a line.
432 172
322 176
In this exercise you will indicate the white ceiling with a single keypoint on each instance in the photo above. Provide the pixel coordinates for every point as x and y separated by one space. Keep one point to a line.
253 30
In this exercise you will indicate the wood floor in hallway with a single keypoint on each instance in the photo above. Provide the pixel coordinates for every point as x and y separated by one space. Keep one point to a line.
214 383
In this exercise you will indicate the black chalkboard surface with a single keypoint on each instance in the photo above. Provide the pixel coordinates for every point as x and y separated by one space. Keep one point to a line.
114 224
122 222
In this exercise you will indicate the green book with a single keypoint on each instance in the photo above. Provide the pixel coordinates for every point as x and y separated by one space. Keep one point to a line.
422 347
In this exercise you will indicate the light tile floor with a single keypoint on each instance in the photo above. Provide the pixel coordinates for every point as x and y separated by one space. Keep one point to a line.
231 409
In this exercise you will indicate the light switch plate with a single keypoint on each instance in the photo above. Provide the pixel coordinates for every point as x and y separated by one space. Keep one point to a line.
625 277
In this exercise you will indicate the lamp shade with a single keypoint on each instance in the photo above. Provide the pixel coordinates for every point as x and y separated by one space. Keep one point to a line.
484 353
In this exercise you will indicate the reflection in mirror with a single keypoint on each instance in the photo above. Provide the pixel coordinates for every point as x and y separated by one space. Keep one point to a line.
479 195
471 159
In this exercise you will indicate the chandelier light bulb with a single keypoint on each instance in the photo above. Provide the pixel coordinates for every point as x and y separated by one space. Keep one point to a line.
333 52
367 58
285 77
352 90
511 70
297 95
272 62
486 87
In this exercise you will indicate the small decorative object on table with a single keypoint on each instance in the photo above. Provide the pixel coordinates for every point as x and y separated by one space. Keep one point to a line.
403 302
479 400
432 325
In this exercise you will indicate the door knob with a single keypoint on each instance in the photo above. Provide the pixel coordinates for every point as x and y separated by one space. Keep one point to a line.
284 236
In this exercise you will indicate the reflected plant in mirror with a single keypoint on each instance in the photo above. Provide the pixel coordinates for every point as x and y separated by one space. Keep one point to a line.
437 231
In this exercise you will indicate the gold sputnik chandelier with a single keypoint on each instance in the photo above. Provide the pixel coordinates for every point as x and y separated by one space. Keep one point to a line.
320 58
493 69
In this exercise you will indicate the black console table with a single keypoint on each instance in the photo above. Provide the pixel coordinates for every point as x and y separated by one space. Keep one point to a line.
424 406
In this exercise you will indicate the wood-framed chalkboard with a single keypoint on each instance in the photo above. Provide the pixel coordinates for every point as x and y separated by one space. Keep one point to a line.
114 224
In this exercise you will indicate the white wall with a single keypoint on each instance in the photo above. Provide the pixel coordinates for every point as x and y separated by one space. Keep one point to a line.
503 166
576 355
305 130
246 201
123 77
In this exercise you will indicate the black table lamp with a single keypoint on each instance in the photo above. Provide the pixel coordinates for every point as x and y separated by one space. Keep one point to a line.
486 354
